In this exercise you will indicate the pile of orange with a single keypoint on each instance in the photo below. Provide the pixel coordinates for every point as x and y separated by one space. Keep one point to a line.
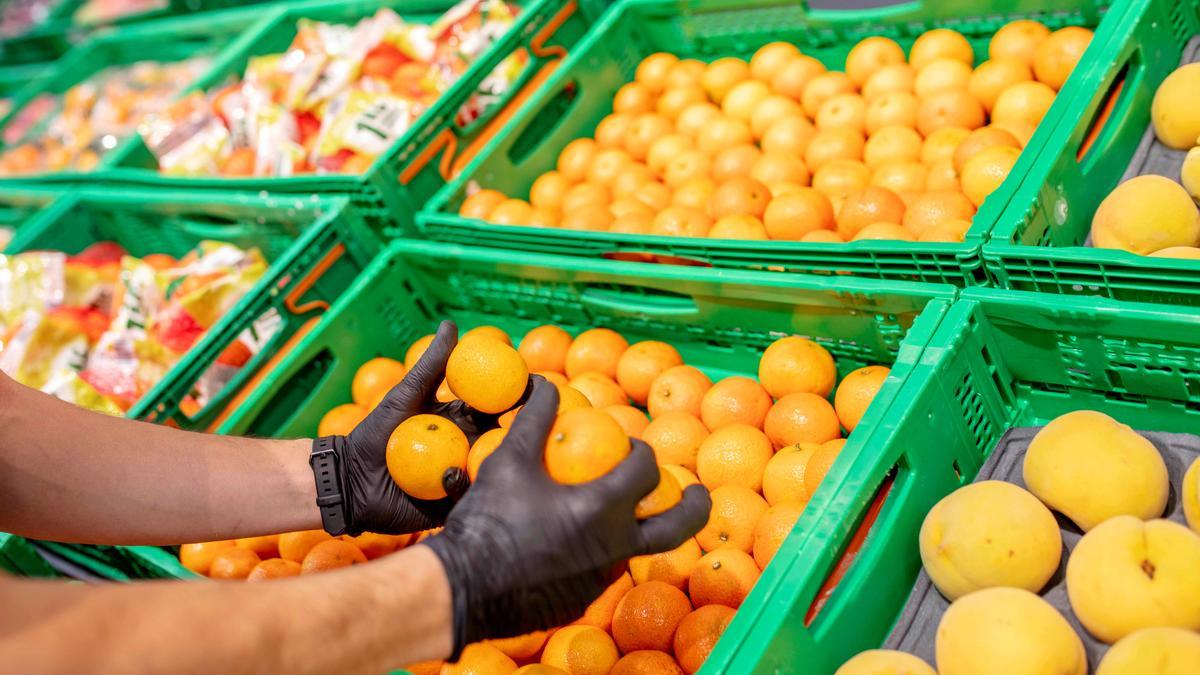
288 554
761 446
895 147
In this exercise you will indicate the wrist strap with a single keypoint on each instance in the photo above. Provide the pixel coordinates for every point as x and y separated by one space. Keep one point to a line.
332 499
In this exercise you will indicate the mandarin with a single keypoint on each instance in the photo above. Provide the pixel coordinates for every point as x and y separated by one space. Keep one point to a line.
662 151
722 577
870 55
733 455
735 161
902 178
892 144
743 99
675 437
678 389
632 421
833 144
641 364
266 546
991 78
695 193
856 392
484 446
521 647
416 350
695 117
846 111
677 99
801 417
947 231
1024 102
770 59
942 144
576 157
486 374
783 479
583 445
374 379
949 108
819 464
295 545
331 555
802 211
646 662
698 633
723 132
682 474
773 528
512 212
840 177
1018 40
898 77
480 658
672 567
795 363
421 449
681 221
941 74
739 195
633 98
869 205
775 168
979 140
480 204
341 420
274 568
823 87
823 237
734 400
601 390
771 110
610 133
664 496
940 43
984 172
233 563
375 545
735 510
791 79
885 231
738 226
654 69
597 349
581 650
934 207
600 612
545 348
898 108
723 75
789 136
646 618
1057 55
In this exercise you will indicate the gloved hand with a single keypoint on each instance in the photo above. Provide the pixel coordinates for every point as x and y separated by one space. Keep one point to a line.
523 552
374 502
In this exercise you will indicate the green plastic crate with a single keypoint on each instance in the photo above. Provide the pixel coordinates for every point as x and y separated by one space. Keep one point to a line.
400 181
19 557
580 94
998 359
165 41
45 41
19 206
316 248
1038 244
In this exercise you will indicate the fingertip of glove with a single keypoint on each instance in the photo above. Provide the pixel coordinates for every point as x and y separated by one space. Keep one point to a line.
455 482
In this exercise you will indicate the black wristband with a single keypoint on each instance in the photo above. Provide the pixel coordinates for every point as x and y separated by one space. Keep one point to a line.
332 498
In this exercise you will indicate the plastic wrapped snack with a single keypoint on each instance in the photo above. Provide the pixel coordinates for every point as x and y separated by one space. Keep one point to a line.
336 99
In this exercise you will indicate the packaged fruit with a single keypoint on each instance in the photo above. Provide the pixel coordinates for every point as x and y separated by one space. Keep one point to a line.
337 99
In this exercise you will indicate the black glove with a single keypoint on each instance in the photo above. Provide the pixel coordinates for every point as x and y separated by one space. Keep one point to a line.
523 552
372 502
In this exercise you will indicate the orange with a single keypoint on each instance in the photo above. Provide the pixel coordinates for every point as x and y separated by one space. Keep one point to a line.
677 99
954 230
898 77
545 348
733 455
273 568
735 510
631 208
694 118
892 144
610 133
598 349
646 662
570 398
722 577
840 177
783 479
607 165
770 59
819 464
979 140
587 217
600 612
798 213
886 231
1018 40
601 390
643 131
773 528
823 237
484 446
331 555
672 567
687 71
743 99
539 669
681 221
1057 55
486 374
866 206
548 190
585 194
843 111
633 98
443 394
554 377
488 331
723 75
627 182
941 74
664 496
770 110
685 166
641 364
740 195
543 218
675 438
738 226
734 400
522 647
420 450
949 108
694 193
985 172
583 445
993 77
1023 102
734 161
266 546
698 633
416 350
481 204
793 76
789 136
940 43
941 177
902 178
942 143
678 389
855 393
581 650
662 151
1020 129
896 108
295 545
832 144
801 417
723 132
654 69
341 420
775 168
576 157
934 207
233 563
796 364
425 668
374 545
374 379
480 658
646 618
685 476
820 88
870 55
632 421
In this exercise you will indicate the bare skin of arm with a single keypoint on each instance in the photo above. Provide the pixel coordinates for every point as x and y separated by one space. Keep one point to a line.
70 475
400 614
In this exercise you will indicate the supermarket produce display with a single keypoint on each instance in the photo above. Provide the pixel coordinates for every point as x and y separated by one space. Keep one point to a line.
906 295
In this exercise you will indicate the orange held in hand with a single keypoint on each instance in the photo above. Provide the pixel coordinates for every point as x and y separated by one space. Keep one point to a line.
583 445
665 495
488 375
420 451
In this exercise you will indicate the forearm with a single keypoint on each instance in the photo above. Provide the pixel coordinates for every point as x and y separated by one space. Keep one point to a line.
71 475
368 618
